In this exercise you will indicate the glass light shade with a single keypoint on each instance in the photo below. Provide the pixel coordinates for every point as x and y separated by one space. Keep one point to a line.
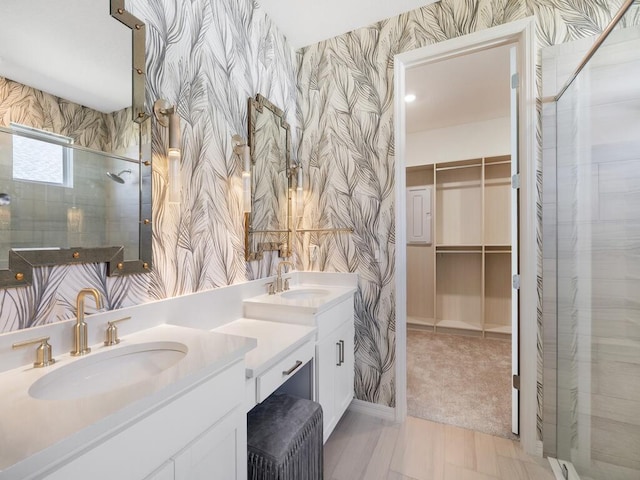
299 201
299 192
246 191
174 175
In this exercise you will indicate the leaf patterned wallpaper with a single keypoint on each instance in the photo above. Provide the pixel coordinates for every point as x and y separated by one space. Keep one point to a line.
346 144
208 57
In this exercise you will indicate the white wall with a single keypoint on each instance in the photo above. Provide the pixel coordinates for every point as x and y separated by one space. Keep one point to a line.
470 140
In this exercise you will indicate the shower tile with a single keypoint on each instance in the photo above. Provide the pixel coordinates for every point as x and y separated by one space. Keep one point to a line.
617 409
615 442
617 379
613 472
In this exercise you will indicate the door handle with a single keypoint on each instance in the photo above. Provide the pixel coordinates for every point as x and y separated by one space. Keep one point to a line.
341 351
339 354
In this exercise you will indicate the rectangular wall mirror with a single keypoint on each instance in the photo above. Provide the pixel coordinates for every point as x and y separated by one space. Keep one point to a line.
268 225
75 146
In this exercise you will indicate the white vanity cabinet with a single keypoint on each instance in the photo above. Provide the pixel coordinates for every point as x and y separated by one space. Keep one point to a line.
335 363
200 434
332 315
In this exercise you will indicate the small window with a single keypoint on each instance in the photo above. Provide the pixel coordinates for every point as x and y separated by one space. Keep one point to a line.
42 157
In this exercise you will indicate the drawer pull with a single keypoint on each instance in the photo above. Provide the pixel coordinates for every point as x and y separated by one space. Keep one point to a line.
292 369
341 352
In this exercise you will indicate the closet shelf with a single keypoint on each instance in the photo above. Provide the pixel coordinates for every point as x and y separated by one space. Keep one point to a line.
463 280
461 324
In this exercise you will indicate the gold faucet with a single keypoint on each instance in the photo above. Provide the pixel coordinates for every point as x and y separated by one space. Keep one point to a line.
80 328
279 282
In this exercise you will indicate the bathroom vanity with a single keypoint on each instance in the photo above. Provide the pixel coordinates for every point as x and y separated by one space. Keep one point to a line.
330 310
170 400
124 411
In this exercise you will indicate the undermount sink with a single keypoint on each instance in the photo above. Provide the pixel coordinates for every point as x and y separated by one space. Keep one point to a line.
305 293
106 370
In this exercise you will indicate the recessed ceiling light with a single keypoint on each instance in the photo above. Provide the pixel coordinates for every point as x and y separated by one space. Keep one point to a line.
409 98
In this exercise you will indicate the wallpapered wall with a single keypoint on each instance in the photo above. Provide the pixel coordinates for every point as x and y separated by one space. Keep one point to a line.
345 112
208 57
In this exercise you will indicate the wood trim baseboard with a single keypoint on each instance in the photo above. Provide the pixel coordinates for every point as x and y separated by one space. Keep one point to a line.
375 410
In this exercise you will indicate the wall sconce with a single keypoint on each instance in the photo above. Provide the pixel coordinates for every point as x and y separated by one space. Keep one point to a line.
297 169
167 116
241 149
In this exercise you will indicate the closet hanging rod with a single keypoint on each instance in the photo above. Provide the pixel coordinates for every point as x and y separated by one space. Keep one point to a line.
502 162
475 165
328 230
268 231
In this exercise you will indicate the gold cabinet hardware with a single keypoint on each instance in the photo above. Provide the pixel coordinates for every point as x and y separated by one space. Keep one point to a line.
145 265
120 266
112 332
76 255
19 276
43 352
146 163
147 221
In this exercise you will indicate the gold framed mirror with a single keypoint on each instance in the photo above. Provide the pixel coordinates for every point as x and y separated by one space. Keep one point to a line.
268 224
92 202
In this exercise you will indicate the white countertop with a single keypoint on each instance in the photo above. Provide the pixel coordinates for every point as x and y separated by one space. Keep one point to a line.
317 304
38 431
275 341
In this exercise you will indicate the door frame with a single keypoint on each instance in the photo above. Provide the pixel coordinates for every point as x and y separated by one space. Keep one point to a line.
522 34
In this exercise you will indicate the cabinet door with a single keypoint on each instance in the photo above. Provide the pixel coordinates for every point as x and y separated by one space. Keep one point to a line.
344 370
335 361
218 454
327 355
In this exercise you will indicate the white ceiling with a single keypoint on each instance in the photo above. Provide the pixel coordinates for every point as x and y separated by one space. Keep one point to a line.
465 89
305 22
461 90
73 49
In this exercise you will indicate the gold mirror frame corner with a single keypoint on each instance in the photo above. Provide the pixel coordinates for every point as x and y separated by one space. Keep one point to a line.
22 262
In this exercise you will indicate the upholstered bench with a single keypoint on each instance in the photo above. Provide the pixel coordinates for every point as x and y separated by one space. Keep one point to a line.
284 439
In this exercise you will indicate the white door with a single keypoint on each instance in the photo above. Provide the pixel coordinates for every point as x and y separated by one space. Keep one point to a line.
515 172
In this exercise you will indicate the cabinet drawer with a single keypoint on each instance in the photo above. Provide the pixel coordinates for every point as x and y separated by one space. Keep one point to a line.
270 380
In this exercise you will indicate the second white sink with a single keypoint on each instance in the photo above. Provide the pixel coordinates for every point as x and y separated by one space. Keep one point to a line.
108 369
305 293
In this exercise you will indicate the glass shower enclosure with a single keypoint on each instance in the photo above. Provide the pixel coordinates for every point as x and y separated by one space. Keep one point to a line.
597 263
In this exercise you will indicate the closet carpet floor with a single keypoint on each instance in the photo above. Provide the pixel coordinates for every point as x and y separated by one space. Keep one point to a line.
460 380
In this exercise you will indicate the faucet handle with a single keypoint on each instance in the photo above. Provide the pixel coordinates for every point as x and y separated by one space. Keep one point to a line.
43 352
286 287
271 288
112 332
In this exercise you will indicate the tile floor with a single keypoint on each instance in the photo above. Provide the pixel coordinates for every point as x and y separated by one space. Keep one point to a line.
363 447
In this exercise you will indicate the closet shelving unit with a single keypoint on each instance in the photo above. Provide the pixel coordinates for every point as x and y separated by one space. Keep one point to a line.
472 254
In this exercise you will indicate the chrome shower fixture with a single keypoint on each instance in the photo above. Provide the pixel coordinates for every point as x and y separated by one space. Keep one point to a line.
116 177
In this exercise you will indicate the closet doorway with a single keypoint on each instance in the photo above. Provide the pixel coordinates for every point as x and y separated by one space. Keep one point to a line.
462 240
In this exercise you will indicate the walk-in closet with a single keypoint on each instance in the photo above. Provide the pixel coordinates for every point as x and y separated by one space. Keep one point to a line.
460 252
